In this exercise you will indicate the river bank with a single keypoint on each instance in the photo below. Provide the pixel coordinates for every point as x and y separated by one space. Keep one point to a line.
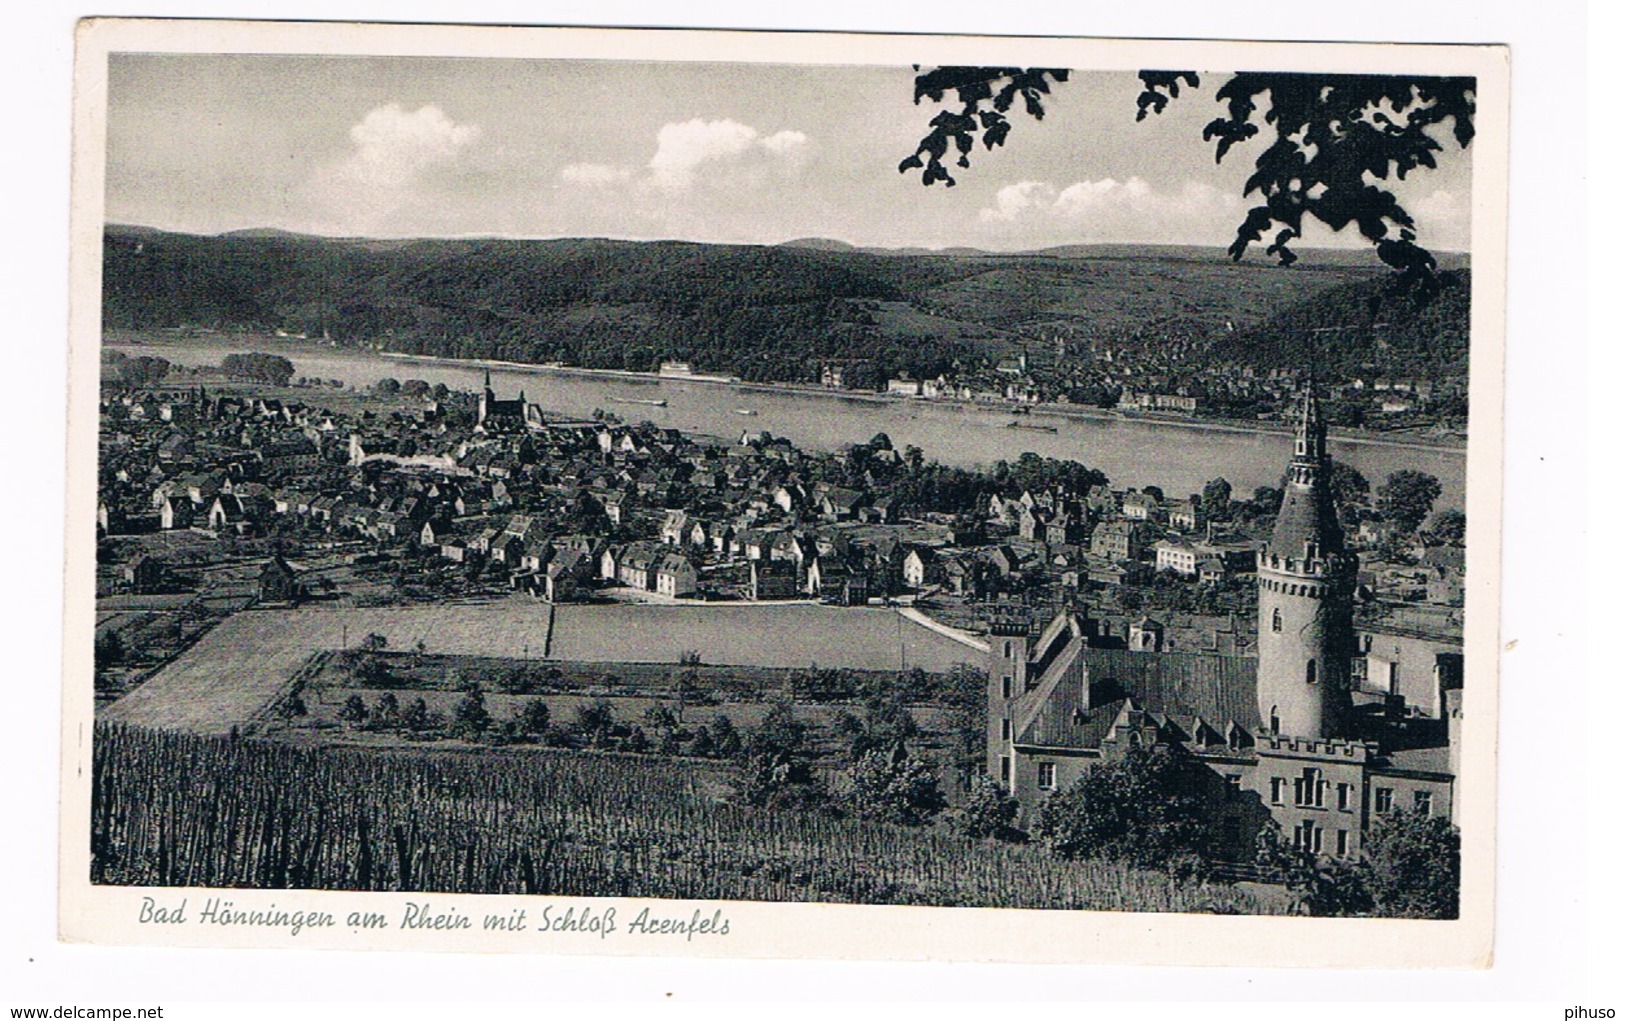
1178 455
1074 411
1366 437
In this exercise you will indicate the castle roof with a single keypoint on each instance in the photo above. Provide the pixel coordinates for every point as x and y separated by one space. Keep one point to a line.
1219 689
1307 513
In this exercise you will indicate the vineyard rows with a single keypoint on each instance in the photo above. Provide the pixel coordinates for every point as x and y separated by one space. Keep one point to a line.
174 809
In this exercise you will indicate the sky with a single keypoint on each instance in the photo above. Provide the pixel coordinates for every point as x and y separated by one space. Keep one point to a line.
738 153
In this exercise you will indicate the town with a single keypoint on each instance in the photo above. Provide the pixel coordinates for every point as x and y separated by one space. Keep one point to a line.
424 494
245 488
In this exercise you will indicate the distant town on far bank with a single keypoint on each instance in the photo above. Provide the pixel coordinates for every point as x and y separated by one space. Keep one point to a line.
1147 330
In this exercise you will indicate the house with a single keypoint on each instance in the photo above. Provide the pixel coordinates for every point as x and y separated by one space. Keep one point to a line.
279 583
1177 556
1186 516
920 567
675 576
1119 540
175 512
227 513
147 575
772 579
1141 506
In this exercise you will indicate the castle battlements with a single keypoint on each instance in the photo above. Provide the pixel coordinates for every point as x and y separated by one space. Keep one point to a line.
1327 748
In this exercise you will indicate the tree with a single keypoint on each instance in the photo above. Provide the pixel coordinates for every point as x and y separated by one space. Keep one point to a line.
704 746
1216 497
386 711
1322 886
142 370
1146 809
1414 866
374 642
354 711
415 717
292 707
259 367
727 739
1349 488
1407 498
988 811
594 721
1336 138
885 724
471 718
780 731
533 717
893 786
1449 526
387 386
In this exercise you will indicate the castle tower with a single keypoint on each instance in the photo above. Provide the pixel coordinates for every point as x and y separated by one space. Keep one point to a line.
1306 598
1009 636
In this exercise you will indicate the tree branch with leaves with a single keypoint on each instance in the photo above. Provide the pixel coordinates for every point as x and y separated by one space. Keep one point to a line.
1337 140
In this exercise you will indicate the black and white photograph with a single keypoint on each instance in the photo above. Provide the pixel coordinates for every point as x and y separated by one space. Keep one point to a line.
627 484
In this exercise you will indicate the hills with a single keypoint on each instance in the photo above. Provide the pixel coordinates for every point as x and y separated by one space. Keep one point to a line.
760 312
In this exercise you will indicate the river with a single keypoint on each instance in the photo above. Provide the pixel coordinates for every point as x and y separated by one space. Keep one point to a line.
1178 457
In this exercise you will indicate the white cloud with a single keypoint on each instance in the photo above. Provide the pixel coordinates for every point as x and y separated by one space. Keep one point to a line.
1015 200
1113 210
594 175
785 143
393 147
684 151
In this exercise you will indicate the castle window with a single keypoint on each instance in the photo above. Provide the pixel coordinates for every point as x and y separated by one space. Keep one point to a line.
1309 672
1006 685
1384 800
1277 785
1342 843
1275 720
1424 802
1004 729
1275 620
1006 650
1004 768
1344 791
1307 790
1046 776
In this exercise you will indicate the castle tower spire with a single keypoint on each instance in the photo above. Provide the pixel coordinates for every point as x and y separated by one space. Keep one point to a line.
1305 596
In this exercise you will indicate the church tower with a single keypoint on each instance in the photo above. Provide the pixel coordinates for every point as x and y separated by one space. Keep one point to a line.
1306 598
487 398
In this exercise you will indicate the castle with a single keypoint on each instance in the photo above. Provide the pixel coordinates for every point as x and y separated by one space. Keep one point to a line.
1284 734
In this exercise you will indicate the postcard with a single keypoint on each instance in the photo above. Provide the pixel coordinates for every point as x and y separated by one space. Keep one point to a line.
730 494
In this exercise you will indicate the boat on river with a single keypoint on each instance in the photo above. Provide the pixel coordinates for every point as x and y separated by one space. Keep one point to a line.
1019 424
656 403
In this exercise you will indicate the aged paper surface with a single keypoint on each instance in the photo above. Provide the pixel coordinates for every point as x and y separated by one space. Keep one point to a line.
187 914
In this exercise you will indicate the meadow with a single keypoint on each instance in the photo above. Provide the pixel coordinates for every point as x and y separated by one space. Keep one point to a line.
173 809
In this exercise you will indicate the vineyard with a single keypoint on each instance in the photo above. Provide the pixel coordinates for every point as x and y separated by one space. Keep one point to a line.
173 809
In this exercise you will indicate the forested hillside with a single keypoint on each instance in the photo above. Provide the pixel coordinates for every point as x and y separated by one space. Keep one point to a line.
763 313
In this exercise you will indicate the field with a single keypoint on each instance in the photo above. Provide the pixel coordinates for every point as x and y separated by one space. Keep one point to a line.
235 671
180 810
